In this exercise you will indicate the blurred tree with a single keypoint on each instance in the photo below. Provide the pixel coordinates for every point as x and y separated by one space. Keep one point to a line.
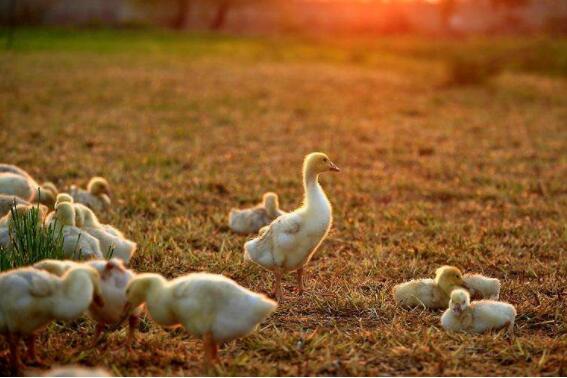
223 7
178 8
182 17
508 19
508 3
447 10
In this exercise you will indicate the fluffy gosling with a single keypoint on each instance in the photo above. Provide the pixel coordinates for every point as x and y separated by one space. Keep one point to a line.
478 316
97 195
248 221
482 287
32 298
209 306
430 293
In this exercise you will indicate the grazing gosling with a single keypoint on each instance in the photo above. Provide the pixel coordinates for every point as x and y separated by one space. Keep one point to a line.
430 293
209 306
482 287
251 220
478 316
112 241
32 298
7 202
13 184
17 182
290 241
77 244
97 195
114 277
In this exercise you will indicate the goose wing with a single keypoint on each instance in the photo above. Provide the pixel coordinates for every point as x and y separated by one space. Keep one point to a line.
286 228
39 283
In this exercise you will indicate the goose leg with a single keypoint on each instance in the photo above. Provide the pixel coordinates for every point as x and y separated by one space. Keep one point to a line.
300 280
133 322
278 285
98 334
30 344
211 350
14 340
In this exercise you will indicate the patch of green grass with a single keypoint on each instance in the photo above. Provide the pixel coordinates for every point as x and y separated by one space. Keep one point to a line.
30 242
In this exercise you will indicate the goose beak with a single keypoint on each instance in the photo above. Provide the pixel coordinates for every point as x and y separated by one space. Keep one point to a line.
333 167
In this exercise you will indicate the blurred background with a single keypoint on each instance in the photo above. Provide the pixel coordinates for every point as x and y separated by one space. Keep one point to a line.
429 17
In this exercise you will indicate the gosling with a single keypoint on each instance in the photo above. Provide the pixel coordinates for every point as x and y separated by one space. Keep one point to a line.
478 316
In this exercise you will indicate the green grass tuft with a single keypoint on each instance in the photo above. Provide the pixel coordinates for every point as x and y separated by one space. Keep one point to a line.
30 242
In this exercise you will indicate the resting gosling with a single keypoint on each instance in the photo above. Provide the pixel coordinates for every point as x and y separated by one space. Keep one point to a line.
114 277
430 293
97 195
209 306
77 244
251 220
478 316
32 298
482 287
290 241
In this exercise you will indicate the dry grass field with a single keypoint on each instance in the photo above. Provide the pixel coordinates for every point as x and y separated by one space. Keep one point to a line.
187 126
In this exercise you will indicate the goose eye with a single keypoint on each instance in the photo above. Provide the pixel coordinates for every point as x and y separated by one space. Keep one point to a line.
325 160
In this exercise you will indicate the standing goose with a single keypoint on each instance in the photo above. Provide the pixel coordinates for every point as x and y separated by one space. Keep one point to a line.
209 306
97 195
248 221
290 241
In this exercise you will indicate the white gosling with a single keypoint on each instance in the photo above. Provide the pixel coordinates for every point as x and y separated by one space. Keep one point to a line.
62 197
77 371
430 293
248 221
290 241
97 195
482 287
7 202
112 241
32 298
77 244
17 182
478 316
209 306
114 278
17 185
